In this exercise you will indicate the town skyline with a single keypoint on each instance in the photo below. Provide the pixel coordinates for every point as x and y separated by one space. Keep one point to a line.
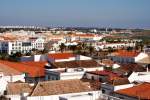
69 13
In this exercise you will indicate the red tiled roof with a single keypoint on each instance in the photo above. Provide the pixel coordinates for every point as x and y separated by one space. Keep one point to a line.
18 88
131 67
31 69
60 87
94 84
120 81
107 62
8 71
111 75
61 55
37 64
125 53
75 64
85 35
141 91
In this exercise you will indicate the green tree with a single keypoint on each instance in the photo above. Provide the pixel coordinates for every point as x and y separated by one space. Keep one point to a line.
140 45
45 51
4 56
73 48
15 56
79 48
62 47
91 50
110 49
129 48
28 54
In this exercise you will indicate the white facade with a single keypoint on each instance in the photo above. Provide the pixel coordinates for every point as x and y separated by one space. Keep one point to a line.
141 56
11 78
80 57
109 88
124 86
21 46
69 73
134 59
113 45
139 77
91 95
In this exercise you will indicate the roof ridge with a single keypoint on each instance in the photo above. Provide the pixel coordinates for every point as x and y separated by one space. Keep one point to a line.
35 86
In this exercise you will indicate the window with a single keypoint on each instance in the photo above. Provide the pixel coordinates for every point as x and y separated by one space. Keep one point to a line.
49 77
5 92
100 79
6 45
57 78
103 91
92 77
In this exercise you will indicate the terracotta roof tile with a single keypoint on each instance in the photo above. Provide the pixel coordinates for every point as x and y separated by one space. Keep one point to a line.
6 70
37 64
85 35
120 81
61 55
75 64
94 84
141 91
107 62
125 53
32 70
110 74
132 67
18 88
60 87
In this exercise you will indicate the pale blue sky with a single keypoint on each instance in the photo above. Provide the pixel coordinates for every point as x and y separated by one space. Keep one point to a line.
99 13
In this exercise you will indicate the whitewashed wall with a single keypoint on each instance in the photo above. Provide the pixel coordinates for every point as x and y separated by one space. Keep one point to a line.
95 95
5 79
119 87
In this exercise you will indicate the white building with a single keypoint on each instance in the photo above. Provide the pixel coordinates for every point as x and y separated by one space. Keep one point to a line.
7 75
21 46
139 77
124 56
113 45
69 73
52 90
70 69
60 57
